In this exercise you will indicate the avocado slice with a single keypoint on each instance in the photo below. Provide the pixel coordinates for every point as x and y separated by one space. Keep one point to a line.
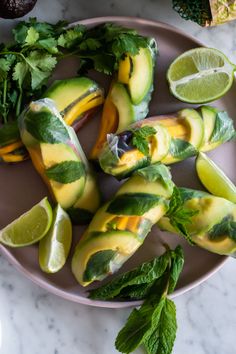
137 73
193 121
124 243
126 112
52 154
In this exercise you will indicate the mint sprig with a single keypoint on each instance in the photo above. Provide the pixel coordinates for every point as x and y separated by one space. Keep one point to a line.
154 323
139 139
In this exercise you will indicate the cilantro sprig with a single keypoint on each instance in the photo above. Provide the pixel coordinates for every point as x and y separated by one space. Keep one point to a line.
154 324
139 138
28 61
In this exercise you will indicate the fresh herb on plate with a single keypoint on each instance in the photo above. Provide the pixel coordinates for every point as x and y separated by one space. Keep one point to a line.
27 63
139 139
179 215
154 323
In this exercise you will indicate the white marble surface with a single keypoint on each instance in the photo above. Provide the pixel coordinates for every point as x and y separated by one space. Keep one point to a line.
33 321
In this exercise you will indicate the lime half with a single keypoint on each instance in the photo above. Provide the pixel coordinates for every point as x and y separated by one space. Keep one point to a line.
200 75
55 246
214 179
30 227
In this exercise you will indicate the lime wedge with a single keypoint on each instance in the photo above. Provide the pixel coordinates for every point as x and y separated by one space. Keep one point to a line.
214 179
200 75
29 227
55 246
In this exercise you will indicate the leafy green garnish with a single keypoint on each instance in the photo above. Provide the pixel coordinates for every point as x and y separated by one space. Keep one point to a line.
223 129
27 62
139 139
181 149
157 172
46 127
187 193
9 133
80 216
98 264
66 171
133 203
227 227
179 215
154 323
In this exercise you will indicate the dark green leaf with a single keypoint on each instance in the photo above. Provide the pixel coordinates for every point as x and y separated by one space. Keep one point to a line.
179 215
46 127
98 265
186 194
181 149
66 171
223 129
139 323
227 228
146 273
177 257
133 203
161 338
9 133
4 68
80 216
139 139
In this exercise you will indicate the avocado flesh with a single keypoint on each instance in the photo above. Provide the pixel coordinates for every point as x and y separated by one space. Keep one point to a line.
123 242
141 77
209 117
52 154
66 92
193 121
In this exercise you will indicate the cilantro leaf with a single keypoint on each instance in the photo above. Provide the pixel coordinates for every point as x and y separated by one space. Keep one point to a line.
9 133
139 139
179 215
66 172
32 36
4 68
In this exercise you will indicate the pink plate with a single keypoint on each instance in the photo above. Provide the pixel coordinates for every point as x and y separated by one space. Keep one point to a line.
22 187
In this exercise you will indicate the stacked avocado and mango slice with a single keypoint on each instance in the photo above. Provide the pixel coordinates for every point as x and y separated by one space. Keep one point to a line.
129 94
59 159
175 138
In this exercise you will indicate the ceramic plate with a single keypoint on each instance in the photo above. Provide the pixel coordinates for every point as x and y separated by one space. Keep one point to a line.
21 187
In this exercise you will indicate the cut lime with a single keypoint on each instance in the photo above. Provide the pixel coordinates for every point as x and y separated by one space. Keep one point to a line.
200 75
30 227
214 179
55 246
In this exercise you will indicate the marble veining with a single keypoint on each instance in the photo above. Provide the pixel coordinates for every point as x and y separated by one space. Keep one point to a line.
32 321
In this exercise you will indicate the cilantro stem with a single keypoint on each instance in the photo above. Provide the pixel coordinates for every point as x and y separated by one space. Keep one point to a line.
4 101
18 105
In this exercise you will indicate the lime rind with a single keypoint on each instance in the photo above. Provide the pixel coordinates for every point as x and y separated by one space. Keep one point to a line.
30 227
214 179
206 76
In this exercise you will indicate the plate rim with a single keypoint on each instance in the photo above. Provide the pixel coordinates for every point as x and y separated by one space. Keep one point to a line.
77 298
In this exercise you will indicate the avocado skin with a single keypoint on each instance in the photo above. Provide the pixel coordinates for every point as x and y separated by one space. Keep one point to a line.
15 8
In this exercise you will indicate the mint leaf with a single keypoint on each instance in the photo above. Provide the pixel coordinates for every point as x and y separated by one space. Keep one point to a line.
46 127
227 228
179 215
139 323
124 284
157 172
223 129
139 139
133 203
176 268
161 338
181 149
186 194
80 216
98 264
66 172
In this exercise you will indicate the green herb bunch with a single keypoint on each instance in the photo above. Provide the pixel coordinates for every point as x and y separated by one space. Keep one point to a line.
27 63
